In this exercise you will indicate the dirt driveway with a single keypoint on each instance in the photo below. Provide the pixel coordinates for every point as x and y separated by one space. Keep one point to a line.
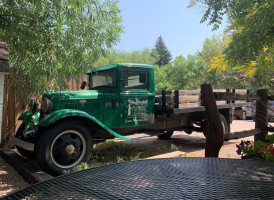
190 145
193 145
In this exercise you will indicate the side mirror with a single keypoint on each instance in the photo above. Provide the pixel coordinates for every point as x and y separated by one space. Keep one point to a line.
142 78
83 85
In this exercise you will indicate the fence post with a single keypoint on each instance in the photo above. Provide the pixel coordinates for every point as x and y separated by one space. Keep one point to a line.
213 129
261 118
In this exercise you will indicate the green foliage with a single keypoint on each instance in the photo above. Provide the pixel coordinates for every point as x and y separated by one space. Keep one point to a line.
215 10
252 45
253 22
252 149
184 73
112 152
220 74
258 149
51 41
161 53
144 56
174 147
82 166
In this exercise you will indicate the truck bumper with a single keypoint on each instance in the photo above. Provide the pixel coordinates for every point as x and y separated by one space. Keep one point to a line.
25 145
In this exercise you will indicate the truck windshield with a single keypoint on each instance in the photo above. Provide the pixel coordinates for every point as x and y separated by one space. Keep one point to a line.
103 79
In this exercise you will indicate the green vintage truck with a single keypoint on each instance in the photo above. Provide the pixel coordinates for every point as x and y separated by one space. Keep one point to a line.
120 100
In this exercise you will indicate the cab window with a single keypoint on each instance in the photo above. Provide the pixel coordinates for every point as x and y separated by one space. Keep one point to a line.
134 79
103 79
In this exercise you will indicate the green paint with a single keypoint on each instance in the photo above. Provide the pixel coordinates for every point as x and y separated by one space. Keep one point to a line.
29 117
125 98
60 114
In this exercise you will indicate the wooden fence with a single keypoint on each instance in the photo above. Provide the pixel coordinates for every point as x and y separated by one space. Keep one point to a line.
76 83
208 100
215 135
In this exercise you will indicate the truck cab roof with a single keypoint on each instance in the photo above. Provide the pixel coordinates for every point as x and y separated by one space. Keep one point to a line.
116 65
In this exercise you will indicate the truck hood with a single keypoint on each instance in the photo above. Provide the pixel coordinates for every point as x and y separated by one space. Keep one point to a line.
73 95
85 100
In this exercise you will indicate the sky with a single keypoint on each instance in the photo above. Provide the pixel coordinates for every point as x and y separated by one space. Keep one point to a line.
145 20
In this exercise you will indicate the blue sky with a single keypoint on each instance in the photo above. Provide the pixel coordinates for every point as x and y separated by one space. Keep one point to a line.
145 20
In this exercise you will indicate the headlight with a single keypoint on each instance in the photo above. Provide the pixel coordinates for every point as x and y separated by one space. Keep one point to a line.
33 105
46 105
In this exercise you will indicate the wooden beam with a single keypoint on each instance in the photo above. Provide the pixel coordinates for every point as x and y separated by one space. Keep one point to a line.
242 134
261 117
213 128
187 99
234 96
189 92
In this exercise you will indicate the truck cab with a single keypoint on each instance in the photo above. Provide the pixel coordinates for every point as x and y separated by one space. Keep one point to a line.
128 94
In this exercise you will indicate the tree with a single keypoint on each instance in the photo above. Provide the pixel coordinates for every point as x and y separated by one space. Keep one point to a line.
219 74
252 30
51 41
161 53
184 73
144 56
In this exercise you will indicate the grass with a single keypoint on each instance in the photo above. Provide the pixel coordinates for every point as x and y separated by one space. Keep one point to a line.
112 152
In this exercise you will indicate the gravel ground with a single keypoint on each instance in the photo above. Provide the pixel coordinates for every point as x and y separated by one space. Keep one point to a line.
192 146
10 180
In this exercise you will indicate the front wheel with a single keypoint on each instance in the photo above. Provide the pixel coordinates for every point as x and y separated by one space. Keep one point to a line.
64 146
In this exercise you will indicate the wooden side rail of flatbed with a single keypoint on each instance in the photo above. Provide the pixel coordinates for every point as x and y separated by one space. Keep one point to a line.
186 101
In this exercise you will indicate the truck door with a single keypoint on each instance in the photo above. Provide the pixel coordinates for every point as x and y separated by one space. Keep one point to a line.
106 83
137 98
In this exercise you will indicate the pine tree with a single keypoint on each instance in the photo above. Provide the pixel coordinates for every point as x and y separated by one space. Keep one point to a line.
164 56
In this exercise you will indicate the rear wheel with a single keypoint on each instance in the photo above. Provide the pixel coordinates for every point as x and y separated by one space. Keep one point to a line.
62 147
166 135
23 152
224 125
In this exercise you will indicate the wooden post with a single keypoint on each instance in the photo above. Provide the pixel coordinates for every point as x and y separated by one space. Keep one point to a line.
227 101
233 91
213 129
164 123
176 99
4 70
261 118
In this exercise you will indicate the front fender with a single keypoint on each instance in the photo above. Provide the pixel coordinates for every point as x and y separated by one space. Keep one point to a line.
60 114
29 116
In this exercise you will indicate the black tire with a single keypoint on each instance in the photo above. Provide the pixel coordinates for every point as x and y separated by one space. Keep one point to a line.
23 152
166 135
223 121
224 124
63 146
188 132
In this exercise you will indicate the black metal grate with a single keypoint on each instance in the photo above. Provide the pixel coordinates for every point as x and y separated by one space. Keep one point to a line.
174 178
